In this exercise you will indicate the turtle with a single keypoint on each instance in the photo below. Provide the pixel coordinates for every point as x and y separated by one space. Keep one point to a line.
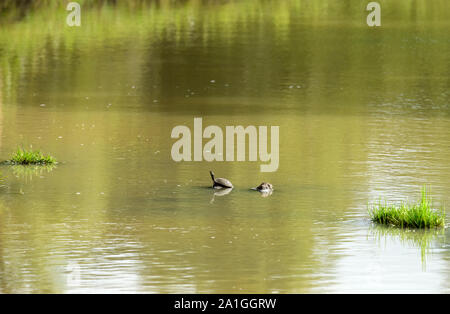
220 182
264 187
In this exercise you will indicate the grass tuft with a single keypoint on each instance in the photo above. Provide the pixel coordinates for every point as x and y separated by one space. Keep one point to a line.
419 215
30 157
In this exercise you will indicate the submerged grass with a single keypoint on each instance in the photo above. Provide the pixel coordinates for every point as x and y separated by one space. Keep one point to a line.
419 215
30 157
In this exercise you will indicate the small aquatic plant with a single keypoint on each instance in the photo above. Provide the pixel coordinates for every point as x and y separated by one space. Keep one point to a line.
419 215
30 157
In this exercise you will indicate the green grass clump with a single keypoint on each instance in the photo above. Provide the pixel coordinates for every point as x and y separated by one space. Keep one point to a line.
30 157
419 215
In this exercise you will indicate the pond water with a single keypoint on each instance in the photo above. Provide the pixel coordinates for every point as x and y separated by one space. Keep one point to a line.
363 113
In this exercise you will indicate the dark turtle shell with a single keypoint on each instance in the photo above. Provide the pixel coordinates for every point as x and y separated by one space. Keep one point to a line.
221 182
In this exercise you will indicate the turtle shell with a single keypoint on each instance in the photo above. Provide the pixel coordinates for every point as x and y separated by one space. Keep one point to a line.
221 182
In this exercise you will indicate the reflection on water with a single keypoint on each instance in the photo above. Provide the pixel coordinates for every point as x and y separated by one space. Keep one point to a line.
363 113
220 192
1 109
27 172
423 240
265 193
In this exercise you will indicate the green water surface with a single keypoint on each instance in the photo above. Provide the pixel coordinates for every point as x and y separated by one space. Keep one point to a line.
363 113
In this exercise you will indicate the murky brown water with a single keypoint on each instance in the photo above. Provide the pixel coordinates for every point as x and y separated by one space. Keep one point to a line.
363 113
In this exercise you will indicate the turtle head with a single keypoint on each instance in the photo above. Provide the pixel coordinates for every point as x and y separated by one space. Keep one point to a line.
264 186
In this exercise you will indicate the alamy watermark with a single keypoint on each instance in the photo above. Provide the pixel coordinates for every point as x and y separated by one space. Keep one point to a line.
213 150
373 18
74 17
